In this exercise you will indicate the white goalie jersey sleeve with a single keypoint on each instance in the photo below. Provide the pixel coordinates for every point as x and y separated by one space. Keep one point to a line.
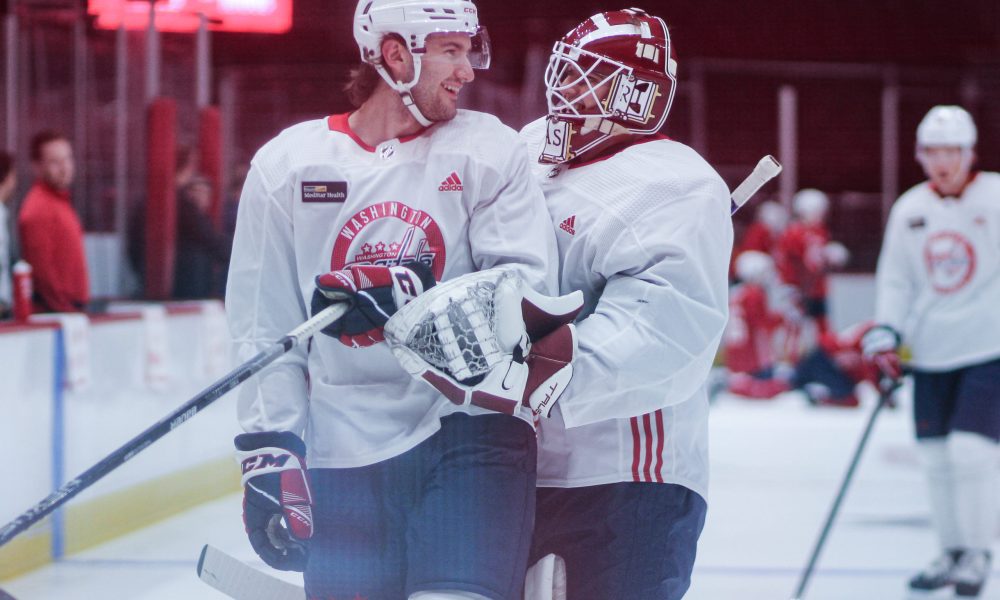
646 234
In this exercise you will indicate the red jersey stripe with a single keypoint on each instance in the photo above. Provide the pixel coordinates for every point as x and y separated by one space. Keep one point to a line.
636 449
659 446
647 426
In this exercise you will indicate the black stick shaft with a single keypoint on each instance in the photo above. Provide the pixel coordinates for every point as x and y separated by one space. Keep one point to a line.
807 573
169 423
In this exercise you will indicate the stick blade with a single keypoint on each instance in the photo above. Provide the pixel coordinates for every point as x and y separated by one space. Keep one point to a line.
239 580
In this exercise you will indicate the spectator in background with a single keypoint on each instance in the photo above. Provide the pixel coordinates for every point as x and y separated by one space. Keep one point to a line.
8 181
186 160
202 251
230 206
50 231
231 201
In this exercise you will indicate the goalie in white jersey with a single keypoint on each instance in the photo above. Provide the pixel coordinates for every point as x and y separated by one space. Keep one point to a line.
644 230
407 493
937 291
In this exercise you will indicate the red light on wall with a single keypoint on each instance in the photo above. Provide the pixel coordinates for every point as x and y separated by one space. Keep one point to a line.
258 16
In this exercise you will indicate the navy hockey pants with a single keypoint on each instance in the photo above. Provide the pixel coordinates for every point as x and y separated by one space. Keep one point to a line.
621 541
454 513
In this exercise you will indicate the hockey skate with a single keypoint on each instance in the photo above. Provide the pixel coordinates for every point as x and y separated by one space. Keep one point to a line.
938 574
971 572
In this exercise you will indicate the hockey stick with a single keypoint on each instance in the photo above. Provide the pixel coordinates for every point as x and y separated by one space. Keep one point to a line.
767 169
886 388
545 580
173 420
239 580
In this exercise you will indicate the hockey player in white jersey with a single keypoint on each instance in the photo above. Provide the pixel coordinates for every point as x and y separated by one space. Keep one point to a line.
937 291
407 495
644 230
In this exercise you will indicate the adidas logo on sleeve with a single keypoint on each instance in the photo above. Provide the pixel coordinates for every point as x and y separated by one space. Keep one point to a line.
451 184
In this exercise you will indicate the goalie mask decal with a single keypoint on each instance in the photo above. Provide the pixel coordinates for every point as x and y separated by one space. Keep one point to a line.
389 234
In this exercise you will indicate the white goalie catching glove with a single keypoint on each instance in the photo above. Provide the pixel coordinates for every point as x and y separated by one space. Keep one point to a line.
487 339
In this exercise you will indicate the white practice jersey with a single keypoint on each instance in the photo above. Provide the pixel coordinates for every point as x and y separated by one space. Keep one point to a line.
938 276
459 197
646 235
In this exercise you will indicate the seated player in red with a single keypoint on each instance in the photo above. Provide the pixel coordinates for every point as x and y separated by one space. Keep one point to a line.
829 374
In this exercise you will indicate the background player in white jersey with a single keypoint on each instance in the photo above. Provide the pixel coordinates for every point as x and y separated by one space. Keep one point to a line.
937 291
407 495
644 230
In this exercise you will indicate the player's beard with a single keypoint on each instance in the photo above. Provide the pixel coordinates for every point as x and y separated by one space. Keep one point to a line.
433 104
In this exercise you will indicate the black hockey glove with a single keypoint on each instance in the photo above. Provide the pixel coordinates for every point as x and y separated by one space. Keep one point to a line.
374 292
276 488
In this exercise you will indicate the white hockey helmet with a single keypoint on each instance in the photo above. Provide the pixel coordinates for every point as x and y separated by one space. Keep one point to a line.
810 205
773 215
836 254
947 126
413 21
754 266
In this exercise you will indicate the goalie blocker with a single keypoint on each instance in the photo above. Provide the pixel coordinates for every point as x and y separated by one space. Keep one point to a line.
487 339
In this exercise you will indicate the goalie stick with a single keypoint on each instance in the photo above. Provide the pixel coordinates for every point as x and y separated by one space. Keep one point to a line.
173 420
239 580
767 169
545 580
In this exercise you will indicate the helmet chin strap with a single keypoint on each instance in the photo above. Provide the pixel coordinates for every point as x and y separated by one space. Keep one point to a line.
403 89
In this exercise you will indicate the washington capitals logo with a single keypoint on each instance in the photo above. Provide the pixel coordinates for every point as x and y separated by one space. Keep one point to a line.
388 234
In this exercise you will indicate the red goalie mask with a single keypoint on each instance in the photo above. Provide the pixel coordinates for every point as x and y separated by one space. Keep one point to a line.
613 74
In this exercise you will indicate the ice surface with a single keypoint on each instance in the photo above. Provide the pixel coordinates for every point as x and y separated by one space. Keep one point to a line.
776 466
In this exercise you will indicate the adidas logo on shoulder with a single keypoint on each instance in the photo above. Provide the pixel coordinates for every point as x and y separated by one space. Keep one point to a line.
451 184
569 225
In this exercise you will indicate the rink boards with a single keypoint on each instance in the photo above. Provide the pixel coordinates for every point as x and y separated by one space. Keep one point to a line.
69 395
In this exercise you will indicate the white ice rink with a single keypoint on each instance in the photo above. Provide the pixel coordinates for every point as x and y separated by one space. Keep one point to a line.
775 469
